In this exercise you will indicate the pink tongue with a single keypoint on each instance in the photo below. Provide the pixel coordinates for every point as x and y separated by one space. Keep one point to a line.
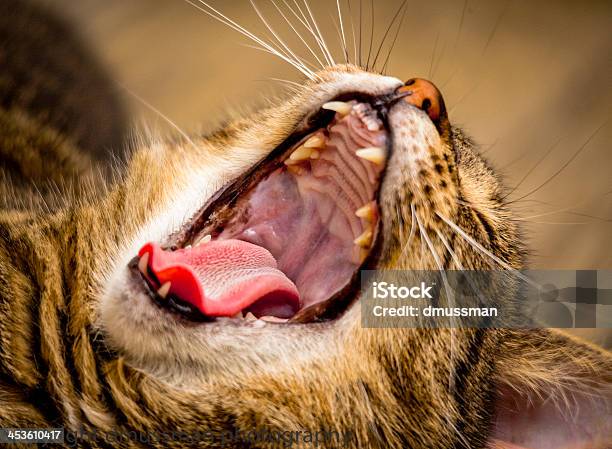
222 278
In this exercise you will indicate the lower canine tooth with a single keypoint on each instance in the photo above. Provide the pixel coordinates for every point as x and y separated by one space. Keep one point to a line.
143 263
364 240
340 107
164 289
315 142
300 154
378 155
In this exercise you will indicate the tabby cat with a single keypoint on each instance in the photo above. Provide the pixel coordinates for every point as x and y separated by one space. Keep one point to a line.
211 286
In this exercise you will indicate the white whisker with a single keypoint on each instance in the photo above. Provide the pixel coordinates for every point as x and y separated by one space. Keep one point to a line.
288 52
314 22
346 57
162 115
235 26
306 23
321 64
483 250
449 297
348 2
450 250
412 226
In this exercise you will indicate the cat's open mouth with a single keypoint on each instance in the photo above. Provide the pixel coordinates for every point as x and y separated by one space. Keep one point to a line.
284 242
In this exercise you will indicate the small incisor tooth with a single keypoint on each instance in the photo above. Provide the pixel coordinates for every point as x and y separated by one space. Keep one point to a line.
273 319
143 263
207 238
250 317
316 141
340 107
164 289
365 239
378 155
300 154
367 212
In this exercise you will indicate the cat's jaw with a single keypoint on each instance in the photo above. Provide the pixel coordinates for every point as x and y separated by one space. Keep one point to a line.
186 177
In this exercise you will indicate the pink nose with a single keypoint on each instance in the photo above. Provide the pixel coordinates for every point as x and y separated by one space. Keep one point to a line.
426 96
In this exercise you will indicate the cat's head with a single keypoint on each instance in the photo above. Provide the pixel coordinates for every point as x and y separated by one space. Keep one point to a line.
353 170
274 215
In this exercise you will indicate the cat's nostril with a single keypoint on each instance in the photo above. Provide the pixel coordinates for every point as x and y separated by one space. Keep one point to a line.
425 95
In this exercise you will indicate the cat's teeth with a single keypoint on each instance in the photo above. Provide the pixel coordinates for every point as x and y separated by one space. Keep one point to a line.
258 323
290 162
273 319
363 253
371 124
164 289
316 141
250 317
295 169
378 155
238 315
315 154
207 238
365 239
340 107
367 212
302 153
143 263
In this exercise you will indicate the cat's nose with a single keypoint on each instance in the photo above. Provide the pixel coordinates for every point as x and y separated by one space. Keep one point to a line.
426 96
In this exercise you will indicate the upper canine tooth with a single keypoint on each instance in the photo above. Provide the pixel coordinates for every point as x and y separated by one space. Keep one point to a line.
367 212
378 155
316 141
365 239
207 238
164 289
340 107
143 263
301 153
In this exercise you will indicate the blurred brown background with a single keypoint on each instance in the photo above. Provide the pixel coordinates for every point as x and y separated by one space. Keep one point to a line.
519 76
